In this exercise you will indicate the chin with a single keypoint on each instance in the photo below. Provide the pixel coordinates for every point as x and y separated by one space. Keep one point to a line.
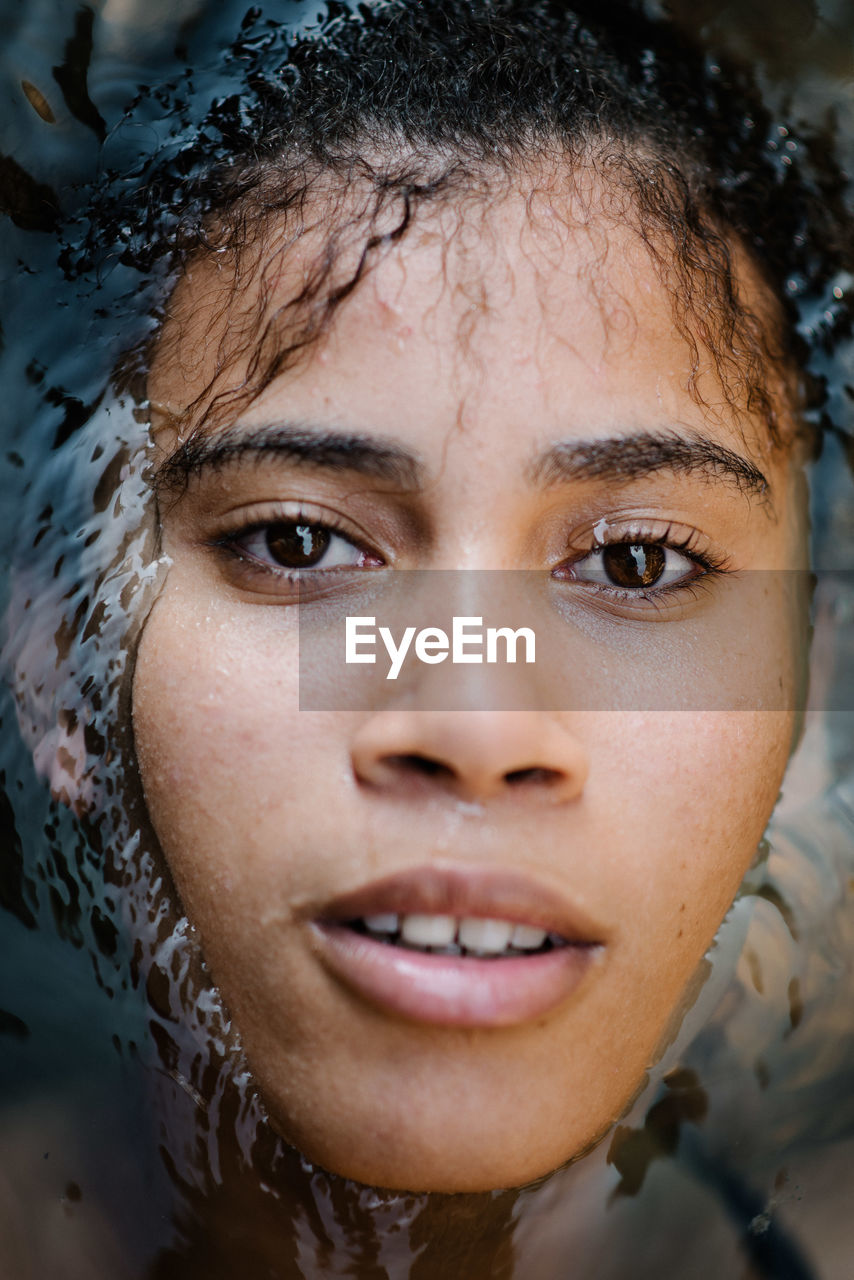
459 1143
427 1169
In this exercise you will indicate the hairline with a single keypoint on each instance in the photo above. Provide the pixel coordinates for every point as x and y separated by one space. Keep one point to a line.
486 184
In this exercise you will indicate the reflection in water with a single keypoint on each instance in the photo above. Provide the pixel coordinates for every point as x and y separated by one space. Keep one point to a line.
126 1150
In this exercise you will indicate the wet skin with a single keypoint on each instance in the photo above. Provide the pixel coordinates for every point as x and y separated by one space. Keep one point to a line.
431 421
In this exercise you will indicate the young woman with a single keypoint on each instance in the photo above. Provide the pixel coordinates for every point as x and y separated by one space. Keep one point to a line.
462 312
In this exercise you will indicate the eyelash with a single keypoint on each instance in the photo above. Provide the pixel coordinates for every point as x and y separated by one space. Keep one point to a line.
710 564
230 540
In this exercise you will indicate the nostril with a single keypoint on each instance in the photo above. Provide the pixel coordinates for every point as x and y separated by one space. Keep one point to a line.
426 766
536 775
475 757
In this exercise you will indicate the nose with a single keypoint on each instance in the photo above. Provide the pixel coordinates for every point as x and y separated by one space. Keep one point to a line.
475 755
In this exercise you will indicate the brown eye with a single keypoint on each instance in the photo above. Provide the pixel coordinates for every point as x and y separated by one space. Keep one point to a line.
297 546
634 565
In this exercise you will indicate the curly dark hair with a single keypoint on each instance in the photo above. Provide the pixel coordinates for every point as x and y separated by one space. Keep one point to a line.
395 106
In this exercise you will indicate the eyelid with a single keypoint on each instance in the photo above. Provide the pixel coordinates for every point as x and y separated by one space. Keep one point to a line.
665 599
681 537
273 583
245 520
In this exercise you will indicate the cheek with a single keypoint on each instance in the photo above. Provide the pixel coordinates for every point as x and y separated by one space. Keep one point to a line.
685 802
221 743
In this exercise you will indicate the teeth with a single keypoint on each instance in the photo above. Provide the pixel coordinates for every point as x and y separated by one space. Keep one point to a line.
489 936
448 935
428 931
527 938
382 924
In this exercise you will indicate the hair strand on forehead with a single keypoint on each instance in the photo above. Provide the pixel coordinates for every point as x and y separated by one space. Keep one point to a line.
347 137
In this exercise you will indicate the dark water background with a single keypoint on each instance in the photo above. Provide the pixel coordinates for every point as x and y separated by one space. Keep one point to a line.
738 1159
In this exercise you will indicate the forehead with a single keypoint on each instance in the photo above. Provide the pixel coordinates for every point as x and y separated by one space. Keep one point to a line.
542 310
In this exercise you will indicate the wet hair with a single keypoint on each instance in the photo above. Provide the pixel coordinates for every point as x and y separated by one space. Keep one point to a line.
381 112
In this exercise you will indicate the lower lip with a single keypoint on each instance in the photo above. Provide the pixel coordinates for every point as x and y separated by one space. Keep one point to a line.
454 991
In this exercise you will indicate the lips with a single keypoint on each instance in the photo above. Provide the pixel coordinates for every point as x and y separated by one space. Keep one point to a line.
458 985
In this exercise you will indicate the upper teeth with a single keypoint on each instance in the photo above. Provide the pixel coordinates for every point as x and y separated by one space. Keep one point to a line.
473 933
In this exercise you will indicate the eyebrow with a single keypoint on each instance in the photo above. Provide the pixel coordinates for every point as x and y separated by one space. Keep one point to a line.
312 446
618 459
621 459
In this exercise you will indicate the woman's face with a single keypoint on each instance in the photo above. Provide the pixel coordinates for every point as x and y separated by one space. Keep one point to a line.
507 394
